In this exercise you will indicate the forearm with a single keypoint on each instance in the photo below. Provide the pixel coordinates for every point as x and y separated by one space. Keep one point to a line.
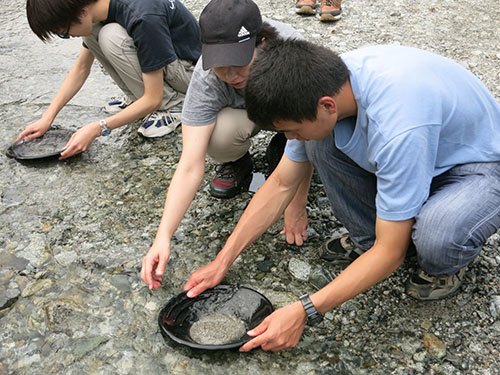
264 209
149 102
386 255
299 201
370 268
183 187
135 111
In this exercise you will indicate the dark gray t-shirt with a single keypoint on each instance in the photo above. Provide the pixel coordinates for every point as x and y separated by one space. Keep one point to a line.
162 30
207 95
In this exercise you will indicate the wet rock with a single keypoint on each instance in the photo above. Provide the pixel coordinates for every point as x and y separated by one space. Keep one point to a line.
435 346
85 346
265 265
10 261
63 315
66 258
495 306
121 282
299 269
426 324
9 290
37 286
37 251
320 277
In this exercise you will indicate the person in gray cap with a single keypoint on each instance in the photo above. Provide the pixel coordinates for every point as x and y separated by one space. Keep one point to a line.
214 121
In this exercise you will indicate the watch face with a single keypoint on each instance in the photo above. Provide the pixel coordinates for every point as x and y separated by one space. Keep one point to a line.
105 132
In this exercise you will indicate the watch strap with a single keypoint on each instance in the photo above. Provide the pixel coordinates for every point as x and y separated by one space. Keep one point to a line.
313 315
105 130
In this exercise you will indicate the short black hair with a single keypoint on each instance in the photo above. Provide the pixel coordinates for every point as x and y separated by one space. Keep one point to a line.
268 33
49 17
287 79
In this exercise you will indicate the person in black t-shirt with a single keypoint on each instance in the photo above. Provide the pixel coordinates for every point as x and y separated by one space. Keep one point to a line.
148 47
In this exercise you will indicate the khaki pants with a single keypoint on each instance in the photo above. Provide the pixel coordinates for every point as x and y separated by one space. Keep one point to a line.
230 139
115 50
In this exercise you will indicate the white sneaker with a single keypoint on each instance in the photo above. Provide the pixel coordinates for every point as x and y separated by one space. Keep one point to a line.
160 123
117 104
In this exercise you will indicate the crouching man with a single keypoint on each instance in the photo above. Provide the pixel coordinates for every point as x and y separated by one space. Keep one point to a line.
407 145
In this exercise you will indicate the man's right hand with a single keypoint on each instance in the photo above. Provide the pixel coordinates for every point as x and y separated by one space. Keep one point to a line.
154 263
34 130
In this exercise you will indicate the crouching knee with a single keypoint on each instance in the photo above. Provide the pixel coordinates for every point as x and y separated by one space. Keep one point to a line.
444 253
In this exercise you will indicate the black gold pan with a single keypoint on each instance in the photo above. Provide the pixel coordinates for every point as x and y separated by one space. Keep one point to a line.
230 306
48 145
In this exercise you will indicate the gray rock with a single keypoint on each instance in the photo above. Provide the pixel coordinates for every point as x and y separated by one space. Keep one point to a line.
121 282
435 346
10 261
84 346
495 306
299 269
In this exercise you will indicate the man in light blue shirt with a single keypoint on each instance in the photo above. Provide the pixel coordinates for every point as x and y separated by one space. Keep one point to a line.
407 145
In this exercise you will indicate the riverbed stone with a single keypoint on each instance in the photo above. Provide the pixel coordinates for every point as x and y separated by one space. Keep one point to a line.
435 346
299 269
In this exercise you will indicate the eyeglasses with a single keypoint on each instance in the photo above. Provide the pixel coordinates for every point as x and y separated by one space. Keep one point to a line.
65 35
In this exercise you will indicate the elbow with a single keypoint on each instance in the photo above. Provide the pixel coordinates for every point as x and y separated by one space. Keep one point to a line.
155 104
278 183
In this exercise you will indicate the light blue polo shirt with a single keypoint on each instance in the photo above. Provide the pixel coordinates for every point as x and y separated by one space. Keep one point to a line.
419 114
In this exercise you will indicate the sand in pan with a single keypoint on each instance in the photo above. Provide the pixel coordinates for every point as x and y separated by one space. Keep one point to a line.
217 329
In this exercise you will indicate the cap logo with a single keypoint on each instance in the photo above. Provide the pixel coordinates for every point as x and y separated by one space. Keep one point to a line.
243 32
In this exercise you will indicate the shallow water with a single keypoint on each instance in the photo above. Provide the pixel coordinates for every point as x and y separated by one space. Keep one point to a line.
50 144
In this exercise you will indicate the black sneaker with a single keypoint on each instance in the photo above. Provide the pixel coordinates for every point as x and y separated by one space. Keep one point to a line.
339 250
231 177
425 287
274 152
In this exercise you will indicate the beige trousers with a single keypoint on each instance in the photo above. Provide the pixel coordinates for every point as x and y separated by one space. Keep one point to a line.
230 139
115 50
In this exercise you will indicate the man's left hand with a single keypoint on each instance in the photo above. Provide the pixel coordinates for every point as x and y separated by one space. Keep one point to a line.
295 225
280 330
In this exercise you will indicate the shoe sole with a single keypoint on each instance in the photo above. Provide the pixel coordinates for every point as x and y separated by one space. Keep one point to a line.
306 11
329 18
413 294
112 110
157 135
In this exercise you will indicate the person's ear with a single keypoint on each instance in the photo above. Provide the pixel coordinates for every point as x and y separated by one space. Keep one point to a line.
327 104
84 12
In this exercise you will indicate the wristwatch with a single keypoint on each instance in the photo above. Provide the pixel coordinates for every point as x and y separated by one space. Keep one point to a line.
313 315
105 130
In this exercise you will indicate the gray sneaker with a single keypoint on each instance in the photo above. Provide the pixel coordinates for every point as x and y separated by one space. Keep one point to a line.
426 287
160 123
117 104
